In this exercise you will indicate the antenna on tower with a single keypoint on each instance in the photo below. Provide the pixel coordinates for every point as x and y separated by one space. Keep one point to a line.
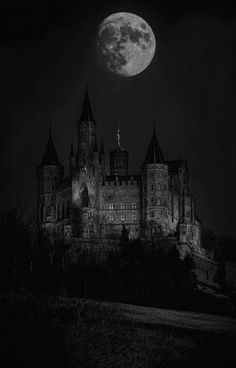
118 134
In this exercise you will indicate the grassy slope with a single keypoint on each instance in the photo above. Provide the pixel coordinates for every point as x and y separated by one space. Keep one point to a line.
40 333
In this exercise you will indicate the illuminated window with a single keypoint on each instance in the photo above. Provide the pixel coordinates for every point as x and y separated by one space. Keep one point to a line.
158 202
122 217
122 206
111 218
134 217
133 206
111 206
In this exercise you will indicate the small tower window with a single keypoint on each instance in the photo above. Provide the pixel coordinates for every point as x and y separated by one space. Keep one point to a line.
122 206
111 206
133 206
134 217
111 218
122 218
151 187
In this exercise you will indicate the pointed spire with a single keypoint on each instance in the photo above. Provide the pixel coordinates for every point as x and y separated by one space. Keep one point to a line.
102 151
95 146
50 156
86 112
154 154
71 150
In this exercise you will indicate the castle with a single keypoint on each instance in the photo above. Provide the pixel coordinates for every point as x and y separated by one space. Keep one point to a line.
100 200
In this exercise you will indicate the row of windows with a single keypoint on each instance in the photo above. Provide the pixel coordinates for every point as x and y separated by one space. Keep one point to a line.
123 218
157 187
158 174
112 192
121 206
155 201
157 213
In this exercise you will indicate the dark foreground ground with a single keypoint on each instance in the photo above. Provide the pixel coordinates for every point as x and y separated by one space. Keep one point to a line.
68 333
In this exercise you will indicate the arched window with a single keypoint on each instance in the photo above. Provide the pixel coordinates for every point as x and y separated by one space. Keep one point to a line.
84 197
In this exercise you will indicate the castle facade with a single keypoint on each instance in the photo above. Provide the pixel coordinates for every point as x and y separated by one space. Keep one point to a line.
101 198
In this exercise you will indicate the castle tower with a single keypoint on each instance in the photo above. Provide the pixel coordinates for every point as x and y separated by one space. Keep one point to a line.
102 159
96 155
119 159
49 173
86 134
154 189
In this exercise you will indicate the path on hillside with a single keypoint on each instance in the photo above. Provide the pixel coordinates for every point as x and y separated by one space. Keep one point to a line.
178 319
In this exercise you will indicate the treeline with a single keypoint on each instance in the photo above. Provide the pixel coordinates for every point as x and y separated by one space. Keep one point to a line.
134 272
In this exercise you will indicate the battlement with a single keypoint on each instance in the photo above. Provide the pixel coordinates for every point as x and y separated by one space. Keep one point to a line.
129 180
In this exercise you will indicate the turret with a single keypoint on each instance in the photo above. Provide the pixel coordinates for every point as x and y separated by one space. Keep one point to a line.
86 133
154 188
119 159
50 174
96 154
102 159
72 162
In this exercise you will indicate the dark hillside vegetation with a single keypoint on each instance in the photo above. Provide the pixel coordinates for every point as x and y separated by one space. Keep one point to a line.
135 272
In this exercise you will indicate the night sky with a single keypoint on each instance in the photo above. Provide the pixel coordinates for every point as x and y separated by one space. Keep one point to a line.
189 90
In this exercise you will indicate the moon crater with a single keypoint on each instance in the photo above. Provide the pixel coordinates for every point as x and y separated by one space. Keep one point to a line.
127 43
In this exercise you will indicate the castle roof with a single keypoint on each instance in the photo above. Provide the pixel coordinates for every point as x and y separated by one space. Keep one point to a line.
86 113
154 154
50 156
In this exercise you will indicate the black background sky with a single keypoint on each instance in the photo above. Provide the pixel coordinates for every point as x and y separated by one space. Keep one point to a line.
49 51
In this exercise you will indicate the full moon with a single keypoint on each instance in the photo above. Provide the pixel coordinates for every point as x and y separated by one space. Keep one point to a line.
127 43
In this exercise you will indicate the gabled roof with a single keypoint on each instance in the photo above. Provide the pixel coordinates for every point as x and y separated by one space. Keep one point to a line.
50 156
154 154
86 112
